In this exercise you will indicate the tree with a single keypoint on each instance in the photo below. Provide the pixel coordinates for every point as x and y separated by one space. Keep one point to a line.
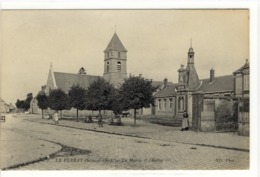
97 95
19 104
77 98
137 93
58 100
42 101
115 104
28 101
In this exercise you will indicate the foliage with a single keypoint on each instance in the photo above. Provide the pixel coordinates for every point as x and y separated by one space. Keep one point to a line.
58 100
20 104
137 93
115 101
77 97
97 97
24 104
42 101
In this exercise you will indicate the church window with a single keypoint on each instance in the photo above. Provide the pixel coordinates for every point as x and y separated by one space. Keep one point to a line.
107 66
118 66
118 54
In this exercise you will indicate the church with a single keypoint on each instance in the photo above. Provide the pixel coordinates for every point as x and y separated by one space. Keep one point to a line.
115 70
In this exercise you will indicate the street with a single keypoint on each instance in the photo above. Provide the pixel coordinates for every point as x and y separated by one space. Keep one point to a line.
68 148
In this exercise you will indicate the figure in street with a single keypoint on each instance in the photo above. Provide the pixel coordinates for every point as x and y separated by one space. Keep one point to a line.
100 122
56 118
185 122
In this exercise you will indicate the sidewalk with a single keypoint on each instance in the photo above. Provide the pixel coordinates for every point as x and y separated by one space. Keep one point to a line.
154 131
17 149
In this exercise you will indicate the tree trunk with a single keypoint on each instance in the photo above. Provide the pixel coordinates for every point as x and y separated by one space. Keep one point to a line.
77 115
134 116
42 113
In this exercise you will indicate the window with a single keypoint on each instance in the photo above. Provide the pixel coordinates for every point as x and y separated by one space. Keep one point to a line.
159 105
118 66
165 104
181 104
118 54
246 82
170 103
107 66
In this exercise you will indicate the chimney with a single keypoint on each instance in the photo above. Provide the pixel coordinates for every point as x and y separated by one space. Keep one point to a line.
212 74
165 82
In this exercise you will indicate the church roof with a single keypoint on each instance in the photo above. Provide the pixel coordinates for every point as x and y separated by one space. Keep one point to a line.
168 91
65 80
115 44
191 50
219 84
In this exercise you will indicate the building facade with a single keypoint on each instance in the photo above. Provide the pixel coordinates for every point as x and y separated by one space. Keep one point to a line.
173 100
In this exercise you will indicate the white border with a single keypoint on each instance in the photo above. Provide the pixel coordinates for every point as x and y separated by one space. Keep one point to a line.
253 5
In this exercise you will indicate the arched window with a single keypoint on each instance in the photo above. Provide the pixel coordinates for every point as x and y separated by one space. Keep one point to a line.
118 66
118 54
107 66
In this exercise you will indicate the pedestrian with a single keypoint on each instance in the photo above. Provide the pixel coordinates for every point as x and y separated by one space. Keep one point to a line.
185 122
100 123
56 118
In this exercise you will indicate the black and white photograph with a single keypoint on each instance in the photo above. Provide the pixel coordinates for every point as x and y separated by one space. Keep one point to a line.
125 89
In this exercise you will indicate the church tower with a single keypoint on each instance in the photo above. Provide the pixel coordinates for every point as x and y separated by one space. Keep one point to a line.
115 68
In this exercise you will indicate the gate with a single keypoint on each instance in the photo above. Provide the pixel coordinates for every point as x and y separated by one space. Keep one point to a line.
226 115
243 117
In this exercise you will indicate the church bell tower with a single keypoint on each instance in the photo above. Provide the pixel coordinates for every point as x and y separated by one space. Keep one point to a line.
115 68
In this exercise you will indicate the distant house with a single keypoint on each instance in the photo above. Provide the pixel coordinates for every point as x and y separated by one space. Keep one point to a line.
34 109
165 100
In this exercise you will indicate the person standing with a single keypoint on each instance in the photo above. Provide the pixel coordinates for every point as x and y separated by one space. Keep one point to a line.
100 121
185 122
56 118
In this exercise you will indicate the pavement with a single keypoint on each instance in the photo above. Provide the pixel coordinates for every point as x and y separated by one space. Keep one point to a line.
144 129
18 149
14 147
29 138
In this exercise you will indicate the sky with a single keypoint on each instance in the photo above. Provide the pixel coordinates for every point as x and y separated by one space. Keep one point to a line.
157 42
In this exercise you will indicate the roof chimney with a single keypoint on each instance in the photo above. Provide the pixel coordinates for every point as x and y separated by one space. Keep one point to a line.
165 82
212 74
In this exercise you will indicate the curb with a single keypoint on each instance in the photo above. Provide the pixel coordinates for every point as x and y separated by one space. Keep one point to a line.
32 161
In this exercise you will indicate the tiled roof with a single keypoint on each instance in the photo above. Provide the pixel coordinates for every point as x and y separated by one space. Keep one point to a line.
160 84
221 83
168 91
66 80
115 44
